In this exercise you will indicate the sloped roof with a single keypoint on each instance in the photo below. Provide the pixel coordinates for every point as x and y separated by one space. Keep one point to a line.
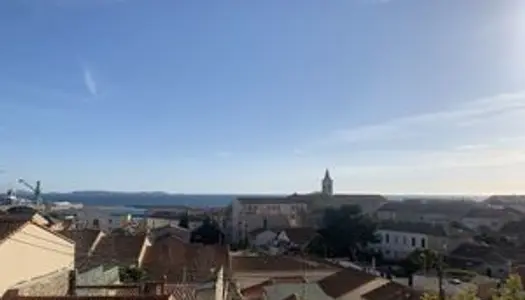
285 290
453 208
169 256
300 235
421 228
393 291
491 212
179 232
258 289
116 248
84 240
275 263
505 199
272 199
514 227
344 281
477 252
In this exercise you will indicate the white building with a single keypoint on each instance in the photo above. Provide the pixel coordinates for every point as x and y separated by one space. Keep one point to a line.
398 239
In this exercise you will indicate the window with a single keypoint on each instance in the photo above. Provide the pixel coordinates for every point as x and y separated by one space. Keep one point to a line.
423 243
396 239
413 242
387 238
404 240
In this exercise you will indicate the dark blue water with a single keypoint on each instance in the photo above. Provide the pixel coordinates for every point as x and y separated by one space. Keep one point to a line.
141 199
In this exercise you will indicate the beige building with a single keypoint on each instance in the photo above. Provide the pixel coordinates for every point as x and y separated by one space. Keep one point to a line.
31 254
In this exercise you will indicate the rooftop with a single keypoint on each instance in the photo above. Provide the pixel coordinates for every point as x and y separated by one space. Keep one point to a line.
275 263
421 228
393 291
344 281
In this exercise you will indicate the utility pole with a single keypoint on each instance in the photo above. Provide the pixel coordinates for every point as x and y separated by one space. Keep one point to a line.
440 273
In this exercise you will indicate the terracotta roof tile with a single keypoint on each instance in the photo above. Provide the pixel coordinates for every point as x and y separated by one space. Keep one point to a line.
182 262
392 291
257 290
117 248
84 240
300 235
344 281
476 252
275 263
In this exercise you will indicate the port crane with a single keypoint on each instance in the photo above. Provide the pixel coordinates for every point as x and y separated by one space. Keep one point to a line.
37 190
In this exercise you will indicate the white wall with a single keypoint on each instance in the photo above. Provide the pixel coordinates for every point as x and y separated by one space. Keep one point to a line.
33 252
399 244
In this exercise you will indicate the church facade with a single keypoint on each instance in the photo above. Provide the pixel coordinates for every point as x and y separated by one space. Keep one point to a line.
297 210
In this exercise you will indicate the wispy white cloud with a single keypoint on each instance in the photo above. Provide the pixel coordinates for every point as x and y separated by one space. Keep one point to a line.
507 107
475 145
90 82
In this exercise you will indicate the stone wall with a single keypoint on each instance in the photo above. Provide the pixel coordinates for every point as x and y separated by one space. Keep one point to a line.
98 276
54 284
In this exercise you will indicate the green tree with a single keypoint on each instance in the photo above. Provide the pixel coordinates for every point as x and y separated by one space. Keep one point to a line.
209 233
511 289
345 233
423 259
132 274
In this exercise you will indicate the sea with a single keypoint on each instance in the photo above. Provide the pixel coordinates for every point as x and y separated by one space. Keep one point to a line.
148 200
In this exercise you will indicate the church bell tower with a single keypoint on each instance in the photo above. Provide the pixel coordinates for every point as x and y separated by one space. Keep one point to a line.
327 187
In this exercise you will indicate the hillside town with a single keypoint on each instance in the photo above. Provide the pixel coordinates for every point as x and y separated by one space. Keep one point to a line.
320 245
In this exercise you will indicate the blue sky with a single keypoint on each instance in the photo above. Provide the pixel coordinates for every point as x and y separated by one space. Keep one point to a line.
399 96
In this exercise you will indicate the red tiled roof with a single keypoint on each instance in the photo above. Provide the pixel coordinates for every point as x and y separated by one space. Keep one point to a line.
258 289
181 262
116 248
344 281
392 291
84 240
275 263
300 235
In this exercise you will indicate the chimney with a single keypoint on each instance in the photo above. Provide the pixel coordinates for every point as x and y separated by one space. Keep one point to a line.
72 283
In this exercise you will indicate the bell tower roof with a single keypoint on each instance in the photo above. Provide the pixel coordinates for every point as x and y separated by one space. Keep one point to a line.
327 174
